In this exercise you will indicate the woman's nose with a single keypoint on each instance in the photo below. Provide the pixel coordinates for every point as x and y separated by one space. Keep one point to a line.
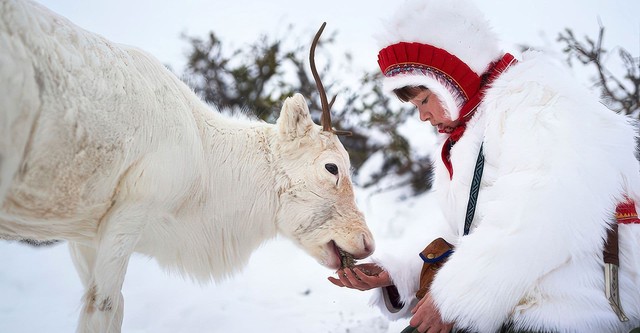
424 116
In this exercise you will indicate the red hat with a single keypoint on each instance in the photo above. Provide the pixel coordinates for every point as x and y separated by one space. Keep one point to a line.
443 45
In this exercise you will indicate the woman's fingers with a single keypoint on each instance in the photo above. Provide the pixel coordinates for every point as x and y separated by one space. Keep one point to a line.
350 279
335 281
415 308
360 277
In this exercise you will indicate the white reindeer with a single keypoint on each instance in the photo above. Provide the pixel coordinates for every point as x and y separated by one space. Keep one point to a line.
101 146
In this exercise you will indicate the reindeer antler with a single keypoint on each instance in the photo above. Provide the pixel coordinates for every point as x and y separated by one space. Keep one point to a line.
325 119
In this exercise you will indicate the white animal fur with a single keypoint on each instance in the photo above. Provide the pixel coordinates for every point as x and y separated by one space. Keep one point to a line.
100 145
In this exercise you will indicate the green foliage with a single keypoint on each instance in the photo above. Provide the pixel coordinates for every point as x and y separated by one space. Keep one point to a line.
621 94
380 121
257 78
228 83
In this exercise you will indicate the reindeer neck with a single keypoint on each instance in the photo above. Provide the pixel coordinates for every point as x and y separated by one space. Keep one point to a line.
236 210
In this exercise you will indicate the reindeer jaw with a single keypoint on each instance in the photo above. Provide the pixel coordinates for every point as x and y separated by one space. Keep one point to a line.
332 257
338 258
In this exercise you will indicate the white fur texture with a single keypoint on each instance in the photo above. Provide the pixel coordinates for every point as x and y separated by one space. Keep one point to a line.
102 146
556 164
457 26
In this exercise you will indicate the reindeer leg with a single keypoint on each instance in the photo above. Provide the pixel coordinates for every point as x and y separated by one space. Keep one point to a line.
103 302
84 258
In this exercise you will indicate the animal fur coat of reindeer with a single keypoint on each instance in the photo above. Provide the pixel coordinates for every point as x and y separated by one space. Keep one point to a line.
103 147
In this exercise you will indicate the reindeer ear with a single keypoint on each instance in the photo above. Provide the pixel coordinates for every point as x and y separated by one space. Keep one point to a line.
295 120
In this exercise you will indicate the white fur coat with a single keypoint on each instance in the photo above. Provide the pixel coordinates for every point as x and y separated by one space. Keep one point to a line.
556 164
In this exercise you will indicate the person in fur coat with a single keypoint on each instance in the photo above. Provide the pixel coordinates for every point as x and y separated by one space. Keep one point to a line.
557 167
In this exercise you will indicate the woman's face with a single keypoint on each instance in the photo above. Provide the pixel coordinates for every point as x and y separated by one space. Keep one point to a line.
431 110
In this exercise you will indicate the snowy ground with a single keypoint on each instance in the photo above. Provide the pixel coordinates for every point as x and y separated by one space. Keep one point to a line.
281 290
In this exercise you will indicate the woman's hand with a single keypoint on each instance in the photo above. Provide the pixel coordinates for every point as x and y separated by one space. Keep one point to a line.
426 317
356 278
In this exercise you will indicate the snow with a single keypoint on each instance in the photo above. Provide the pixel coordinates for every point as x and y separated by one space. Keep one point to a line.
281 290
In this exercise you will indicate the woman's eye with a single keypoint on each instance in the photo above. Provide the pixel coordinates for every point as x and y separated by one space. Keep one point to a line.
332 168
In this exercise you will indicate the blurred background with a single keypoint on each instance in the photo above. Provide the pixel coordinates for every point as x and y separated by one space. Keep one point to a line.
247 56
251 55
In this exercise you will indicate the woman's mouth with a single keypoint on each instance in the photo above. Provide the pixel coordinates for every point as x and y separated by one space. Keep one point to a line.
444 129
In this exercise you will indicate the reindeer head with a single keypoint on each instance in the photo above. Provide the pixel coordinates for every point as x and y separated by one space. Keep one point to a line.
318 209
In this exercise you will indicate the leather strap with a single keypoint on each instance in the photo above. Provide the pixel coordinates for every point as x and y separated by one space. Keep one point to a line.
610 253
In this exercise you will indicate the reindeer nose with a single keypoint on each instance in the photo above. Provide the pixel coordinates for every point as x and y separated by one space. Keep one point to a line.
368 246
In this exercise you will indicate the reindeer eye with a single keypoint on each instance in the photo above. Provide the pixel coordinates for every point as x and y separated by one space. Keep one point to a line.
331 168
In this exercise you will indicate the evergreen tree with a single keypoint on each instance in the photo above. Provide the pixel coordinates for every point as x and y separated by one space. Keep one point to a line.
258 78
621 94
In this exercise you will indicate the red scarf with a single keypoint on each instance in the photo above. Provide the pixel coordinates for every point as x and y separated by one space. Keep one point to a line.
467 110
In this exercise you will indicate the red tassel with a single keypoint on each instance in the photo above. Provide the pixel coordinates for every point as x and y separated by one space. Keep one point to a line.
626 213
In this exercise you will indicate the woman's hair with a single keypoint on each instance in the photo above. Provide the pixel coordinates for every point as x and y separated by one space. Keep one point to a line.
407 93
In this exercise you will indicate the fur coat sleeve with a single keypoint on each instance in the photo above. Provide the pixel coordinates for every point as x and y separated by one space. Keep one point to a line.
403 263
